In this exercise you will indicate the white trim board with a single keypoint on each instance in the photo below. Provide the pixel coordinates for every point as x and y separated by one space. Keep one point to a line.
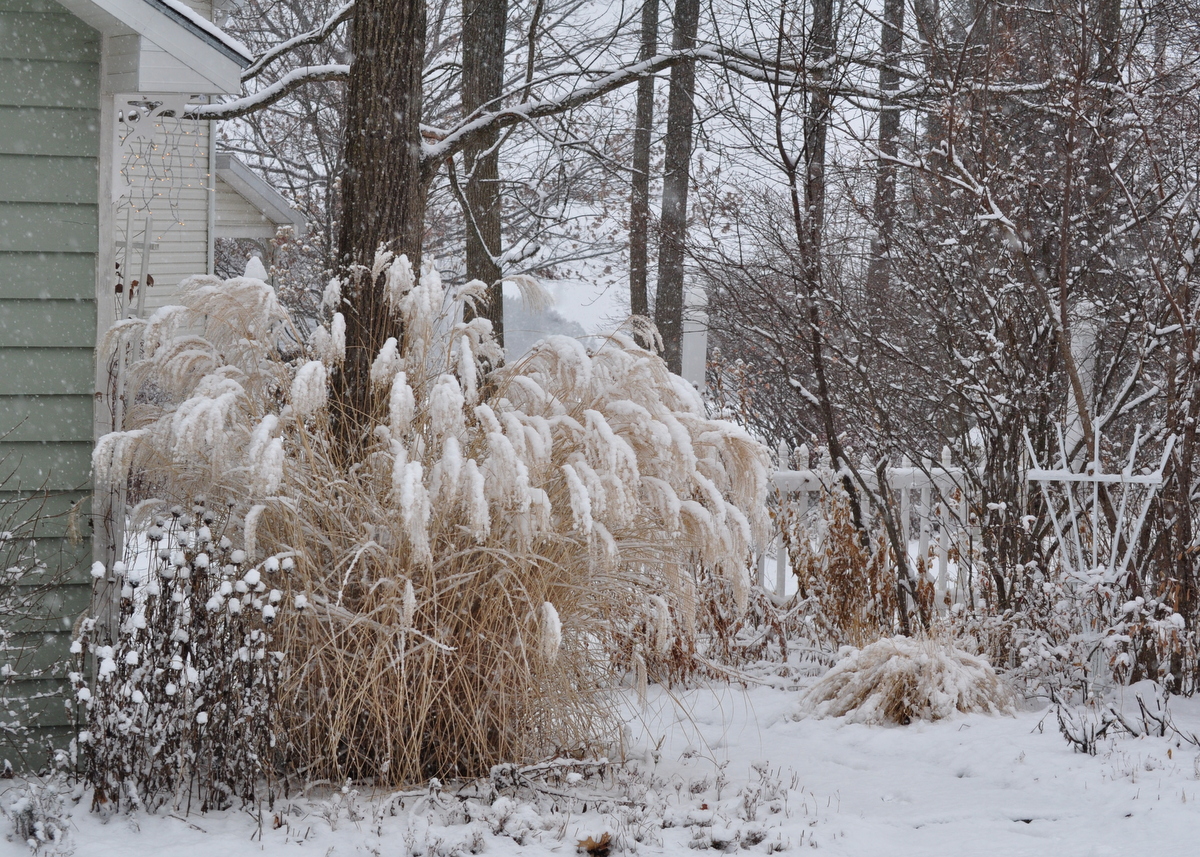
218 60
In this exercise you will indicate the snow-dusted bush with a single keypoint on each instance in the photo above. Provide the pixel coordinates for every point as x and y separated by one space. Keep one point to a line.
473 578
35 599
39 815
182 703
900 679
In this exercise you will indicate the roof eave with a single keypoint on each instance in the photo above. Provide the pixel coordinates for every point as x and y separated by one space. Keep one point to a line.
170 30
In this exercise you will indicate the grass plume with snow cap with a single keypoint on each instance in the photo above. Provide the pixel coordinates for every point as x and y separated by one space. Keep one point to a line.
472 583
900 679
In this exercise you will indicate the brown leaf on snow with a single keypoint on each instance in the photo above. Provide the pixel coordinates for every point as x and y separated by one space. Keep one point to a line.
596 847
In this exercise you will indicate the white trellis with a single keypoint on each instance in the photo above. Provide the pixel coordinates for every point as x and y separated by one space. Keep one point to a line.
1086 541
933 511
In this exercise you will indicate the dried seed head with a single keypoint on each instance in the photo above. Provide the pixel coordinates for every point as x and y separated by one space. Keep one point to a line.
551 631
410 606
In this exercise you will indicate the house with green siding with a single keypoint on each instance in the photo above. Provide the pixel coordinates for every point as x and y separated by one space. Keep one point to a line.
75 77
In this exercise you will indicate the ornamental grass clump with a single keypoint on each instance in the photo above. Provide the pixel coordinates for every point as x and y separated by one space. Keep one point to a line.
473 578
901 679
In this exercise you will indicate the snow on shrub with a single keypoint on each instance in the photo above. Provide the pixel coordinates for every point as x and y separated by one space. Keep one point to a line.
182 702
587 484
898 680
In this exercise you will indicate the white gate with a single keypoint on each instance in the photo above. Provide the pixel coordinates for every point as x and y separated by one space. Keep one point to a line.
933 511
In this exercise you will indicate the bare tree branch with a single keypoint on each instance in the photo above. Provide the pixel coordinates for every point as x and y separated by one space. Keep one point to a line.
267 96
312 37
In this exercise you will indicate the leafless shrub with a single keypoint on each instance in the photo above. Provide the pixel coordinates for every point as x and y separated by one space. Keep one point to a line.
182 704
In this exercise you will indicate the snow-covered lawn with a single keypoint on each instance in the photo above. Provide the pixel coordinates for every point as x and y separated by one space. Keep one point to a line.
729 769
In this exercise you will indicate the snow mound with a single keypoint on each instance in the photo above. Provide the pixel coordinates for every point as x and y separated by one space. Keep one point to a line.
901 679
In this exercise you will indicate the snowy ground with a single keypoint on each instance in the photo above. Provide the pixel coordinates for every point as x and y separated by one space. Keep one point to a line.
728 769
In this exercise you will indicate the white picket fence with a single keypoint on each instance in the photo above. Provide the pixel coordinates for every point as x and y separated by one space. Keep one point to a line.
933 511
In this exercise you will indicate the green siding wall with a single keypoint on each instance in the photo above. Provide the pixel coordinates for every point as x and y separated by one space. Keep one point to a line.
49 147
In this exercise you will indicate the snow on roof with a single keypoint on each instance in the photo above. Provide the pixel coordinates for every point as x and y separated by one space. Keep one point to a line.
193 20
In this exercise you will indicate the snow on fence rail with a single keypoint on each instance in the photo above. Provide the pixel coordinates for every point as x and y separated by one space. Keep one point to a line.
933 509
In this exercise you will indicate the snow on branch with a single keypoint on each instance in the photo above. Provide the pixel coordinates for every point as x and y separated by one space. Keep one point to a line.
312 37
267 96
448 142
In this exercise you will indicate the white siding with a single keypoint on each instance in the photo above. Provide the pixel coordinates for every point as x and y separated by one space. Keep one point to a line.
237 218
161 72
174 190
121 62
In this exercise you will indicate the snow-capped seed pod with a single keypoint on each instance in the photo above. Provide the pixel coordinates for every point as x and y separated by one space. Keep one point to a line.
309 392
410 606
337 338
446 473
581 503
399 280
387 363
478 516
250 530
402 405
551 628
332 295
321 344
662 625
253 576
113 455
446 402
466 369
237 557
98 571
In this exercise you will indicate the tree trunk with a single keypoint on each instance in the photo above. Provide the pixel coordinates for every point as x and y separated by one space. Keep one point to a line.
891 40
668 303
639 203
383 189
483 39
1109 39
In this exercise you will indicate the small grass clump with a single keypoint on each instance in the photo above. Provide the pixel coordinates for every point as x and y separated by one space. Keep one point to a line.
899 680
